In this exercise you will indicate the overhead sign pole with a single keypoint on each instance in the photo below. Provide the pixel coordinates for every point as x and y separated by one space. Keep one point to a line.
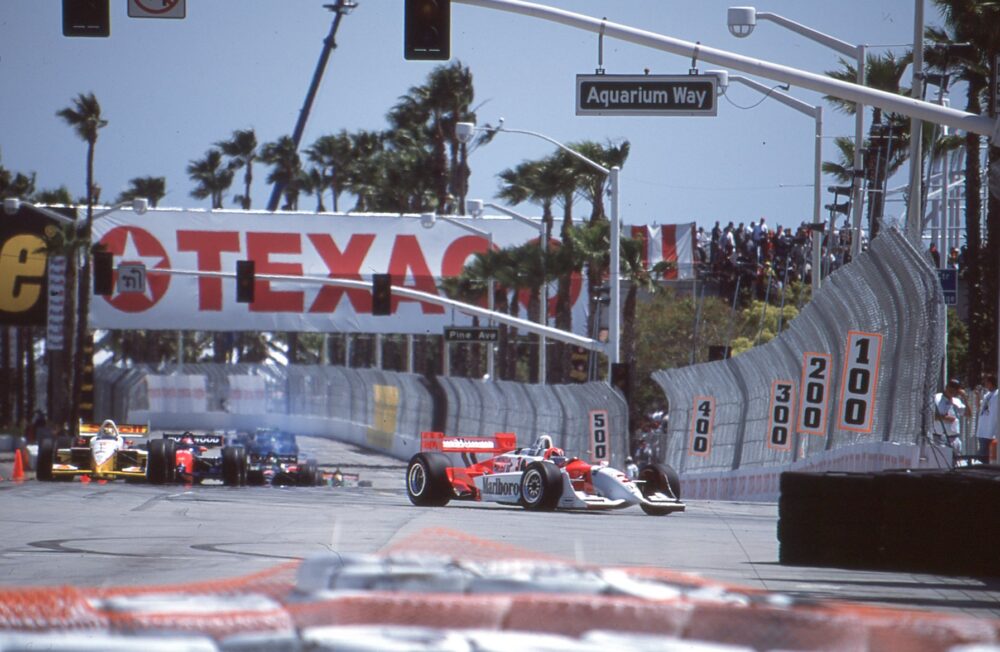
911 107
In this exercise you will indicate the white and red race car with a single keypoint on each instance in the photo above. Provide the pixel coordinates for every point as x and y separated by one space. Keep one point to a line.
537 478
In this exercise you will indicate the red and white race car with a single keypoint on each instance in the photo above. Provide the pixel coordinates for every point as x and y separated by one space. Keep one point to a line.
538 478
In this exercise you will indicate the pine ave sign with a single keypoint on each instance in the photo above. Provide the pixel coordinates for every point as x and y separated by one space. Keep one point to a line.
688 95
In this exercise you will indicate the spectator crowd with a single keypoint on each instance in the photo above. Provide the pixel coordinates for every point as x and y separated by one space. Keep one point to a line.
759 253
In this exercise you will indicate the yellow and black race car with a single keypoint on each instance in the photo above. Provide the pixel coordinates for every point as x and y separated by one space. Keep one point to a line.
100 452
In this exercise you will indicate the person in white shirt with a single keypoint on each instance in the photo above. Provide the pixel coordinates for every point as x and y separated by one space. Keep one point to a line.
949 407
988 423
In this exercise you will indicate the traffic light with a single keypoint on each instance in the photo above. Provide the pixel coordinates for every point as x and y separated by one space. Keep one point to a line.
381 295
104 267
86 18
620 379
244 281
427 30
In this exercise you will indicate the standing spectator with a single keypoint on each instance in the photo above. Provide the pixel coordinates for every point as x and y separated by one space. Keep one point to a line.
935 255
701 243
644 453
987 425
716 237
949 407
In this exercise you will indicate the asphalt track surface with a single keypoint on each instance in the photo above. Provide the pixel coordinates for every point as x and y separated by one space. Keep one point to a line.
130 534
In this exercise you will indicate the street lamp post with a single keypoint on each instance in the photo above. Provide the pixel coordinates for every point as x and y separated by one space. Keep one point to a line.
464 131
742 20
427 220
815 112
476 210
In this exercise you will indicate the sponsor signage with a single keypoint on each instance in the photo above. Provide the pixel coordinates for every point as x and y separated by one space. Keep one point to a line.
54 339
503 487
198 439
298 244
471 334
684 95
338 246
24 270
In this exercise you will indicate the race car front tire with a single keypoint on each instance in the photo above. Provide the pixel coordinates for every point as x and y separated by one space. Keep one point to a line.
170 470
427 482
234 466
541 486
157 461
46 456
659 478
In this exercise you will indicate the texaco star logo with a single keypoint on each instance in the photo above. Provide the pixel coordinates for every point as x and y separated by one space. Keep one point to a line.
130 244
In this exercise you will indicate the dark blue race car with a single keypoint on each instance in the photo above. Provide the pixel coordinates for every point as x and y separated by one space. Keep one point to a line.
273 459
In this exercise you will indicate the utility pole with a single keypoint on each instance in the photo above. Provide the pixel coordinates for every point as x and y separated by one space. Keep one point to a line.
340 9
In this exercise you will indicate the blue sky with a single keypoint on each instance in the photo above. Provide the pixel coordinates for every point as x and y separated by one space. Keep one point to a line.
172 88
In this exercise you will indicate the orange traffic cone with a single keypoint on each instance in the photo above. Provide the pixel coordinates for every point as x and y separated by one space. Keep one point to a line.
18 474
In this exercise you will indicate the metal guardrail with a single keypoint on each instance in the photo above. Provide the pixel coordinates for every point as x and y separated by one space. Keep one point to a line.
890 290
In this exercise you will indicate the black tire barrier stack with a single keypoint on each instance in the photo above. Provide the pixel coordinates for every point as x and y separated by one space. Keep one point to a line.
828 519
922 521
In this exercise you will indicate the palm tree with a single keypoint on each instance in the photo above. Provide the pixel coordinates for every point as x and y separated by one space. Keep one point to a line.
241 148
151 188
592 182
545 182
286 168
975 22
84 116
17 184
313 182
60 195
882 72
427 114
634 269
333 155
211 177
363 172
451 89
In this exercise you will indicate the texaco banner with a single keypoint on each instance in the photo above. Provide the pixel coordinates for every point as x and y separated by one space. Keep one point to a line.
342 246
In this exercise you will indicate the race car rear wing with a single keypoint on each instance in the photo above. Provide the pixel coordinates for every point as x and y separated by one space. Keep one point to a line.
129 429
501 442
205 439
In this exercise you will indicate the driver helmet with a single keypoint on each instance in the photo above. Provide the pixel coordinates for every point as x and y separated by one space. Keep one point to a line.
187 439
108 430
555 455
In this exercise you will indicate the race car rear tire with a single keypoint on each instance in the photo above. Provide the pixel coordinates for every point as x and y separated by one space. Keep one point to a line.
541 486
659 478
427 482
46 456
234 466
156 461
307 474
